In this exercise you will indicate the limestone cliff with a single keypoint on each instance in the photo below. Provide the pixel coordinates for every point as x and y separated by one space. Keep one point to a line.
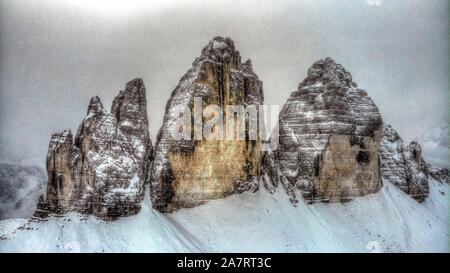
329 135
189 171
103 170
404 166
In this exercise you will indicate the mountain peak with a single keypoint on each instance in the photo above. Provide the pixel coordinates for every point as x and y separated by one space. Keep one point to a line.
95 106
138 82
131 104
113 148
178 177
219 45
326 71
221 49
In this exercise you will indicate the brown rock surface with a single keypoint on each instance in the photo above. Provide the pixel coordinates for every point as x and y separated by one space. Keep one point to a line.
188 172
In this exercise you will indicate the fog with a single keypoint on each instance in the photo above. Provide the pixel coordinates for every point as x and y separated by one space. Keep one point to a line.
56 55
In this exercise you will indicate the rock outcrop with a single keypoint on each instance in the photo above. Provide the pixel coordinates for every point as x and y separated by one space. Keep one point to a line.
103 170
439 174
329 150
189 171
404 166
329 136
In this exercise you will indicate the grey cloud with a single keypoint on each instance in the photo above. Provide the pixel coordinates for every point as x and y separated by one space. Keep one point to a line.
56 55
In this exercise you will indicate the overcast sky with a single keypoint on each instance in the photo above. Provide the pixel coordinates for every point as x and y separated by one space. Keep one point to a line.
55 55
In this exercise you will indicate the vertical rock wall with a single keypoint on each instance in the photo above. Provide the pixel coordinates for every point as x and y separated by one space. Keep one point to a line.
103 172
189 172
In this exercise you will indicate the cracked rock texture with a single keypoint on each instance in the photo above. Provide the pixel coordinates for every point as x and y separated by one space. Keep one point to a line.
332 144
188 172
439 174
329 136
103 169
404 166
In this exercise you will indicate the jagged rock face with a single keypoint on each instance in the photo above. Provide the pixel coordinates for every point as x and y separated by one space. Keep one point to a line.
329 135
62 192
189 172
393 158
103 172
403 166
442 175
416 176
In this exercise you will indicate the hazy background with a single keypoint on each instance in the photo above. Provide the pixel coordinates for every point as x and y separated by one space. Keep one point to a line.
55 55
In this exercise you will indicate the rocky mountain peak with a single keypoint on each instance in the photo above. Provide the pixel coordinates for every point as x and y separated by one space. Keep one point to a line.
389 133
131 103
329 138
326 71
219 48
57 140
186 173
221 51
415 149
332 144
137 83
95 106
403 166
104 171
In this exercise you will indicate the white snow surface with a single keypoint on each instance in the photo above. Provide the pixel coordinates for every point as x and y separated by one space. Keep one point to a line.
388 221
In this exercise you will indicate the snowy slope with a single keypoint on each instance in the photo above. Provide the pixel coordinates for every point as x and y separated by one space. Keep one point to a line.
388 221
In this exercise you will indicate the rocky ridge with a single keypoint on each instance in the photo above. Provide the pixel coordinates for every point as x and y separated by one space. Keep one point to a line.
332 145
103 170
405 167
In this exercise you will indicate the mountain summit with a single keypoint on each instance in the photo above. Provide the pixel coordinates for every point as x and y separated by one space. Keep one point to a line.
329 133
102 171
192 170
332 144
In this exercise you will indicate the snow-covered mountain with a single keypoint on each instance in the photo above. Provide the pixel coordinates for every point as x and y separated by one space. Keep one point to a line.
339 179
329 138
387 221
189 171
20 187
102 170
